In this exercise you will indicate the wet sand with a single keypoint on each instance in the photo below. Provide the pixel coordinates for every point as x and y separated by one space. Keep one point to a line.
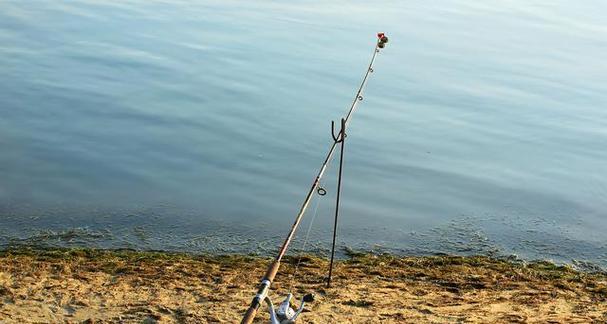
93 286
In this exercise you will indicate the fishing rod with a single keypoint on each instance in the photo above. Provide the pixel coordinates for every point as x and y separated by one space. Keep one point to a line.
285 314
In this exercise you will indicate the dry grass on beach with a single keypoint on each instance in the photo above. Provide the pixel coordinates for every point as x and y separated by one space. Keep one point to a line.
92 286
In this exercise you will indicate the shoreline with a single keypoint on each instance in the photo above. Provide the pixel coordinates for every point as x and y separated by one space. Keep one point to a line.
99 286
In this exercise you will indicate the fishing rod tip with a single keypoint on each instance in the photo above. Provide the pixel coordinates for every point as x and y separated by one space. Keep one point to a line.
382 40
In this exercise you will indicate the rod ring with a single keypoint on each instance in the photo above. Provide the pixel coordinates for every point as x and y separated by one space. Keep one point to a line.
360 98
321 191
371 70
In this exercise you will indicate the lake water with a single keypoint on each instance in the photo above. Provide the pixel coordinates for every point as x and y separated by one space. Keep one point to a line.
199 126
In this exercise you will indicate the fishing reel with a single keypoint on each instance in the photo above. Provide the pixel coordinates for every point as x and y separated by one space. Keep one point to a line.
285 314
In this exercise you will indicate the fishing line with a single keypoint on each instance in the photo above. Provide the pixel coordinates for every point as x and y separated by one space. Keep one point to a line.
303 248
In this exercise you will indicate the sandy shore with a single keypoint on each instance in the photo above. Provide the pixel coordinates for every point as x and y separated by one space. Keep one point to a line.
94 286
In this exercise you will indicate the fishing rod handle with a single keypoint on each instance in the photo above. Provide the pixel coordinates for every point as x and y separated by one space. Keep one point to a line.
262 292
249 316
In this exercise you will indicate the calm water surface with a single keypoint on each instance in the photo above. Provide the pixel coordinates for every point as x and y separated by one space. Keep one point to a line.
198 126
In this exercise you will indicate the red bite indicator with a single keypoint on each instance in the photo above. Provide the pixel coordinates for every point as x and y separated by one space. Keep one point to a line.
382 40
